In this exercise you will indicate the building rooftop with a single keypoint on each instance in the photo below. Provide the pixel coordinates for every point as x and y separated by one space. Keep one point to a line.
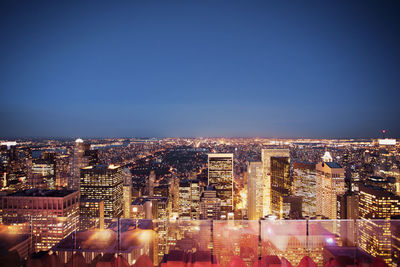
142 200
34 192
8 241
333 165
101 167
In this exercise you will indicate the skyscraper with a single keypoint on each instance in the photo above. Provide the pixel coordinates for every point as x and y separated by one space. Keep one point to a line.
266 155
304 186
77 163
255 190
330 183
376 206
42 174
220 174
189 199
210 205
150 183
104 182
281 184
127 192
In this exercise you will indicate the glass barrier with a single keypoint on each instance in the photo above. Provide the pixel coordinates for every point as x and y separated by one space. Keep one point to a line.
283 239
236 241
79 241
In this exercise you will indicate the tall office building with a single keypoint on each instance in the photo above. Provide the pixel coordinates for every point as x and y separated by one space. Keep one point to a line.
150 183
102 182
127 192
281 184
255 199
220 174
189 200
51 214
77 163
376 206
388 183
210 204
330 183
266 155
91 214
304 186
42 173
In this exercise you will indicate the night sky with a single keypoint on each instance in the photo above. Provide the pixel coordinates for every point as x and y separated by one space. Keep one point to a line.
199 68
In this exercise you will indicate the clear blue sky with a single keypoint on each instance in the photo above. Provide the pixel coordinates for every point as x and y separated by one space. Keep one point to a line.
199 68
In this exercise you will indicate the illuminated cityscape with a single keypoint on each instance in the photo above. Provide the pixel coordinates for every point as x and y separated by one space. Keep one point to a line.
144 209
199 133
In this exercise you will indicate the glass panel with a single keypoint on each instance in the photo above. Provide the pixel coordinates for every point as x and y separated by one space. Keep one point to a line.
236 238
283 238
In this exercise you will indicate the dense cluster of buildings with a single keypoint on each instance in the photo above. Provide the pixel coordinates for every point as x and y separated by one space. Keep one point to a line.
67 193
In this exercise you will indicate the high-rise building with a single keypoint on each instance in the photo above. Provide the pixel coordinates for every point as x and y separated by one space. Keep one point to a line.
77 163
42 174
376 207
292 207
189 200
304 186
347 210
329 184
388 183
150 183
103 182
210 205
152 208
347 206
51 214
281 184
255 190
127 192
266 155
91 214
220 174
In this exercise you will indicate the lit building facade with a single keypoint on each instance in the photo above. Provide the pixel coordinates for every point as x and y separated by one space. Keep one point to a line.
42 174
127 192
210 205
220 174
103 182
266 155
189 200
304 186
376 206
329 184
281 184
91 214
51 214
150 183
77 163
255 190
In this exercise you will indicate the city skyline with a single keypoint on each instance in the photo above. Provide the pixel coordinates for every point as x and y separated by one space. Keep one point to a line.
199 133
245 200
312 70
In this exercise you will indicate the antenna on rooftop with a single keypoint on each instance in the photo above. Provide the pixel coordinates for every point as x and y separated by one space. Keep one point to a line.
384 133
